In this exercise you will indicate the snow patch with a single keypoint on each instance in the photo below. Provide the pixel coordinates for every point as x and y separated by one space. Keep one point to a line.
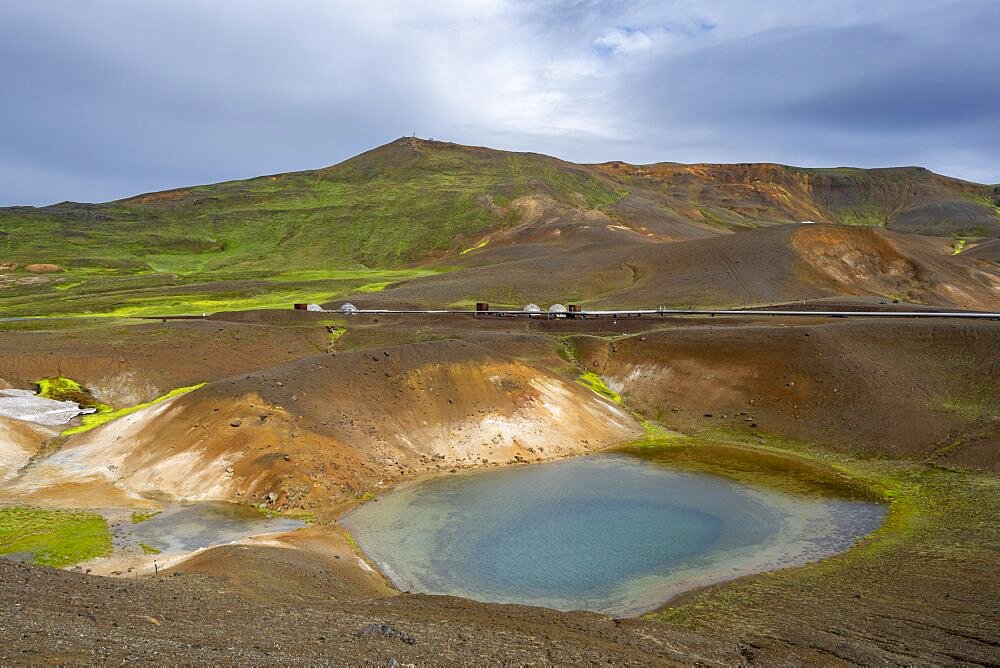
25 405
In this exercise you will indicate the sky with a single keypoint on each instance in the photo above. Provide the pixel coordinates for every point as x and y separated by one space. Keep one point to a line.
103 99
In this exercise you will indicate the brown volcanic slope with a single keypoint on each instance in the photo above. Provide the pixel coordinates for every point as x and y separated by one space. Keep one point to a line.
905 199
766 266
918 389
318 431
666 241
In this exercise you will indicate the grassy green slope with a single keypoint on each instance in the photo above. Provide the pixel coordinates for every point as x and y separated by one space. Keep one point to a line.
307 236
387 208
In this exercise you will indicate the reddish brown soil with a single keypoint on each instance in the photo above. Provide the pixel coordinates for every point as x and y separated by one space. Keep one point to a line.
127 365
615 268
292 420
42 268
923 389
908 597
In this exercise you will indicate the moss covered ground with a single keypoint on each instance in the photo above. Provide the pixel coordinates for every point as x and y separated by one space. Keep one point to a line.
67 389
53 537
593 381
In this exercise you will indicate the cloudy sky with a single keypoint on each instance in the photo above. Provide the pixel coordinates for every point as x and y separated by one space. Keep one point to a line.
108 98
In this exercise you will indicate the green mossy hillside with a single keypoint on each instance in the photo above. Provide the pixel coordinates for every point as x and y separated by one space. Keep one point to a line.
388 208
270 241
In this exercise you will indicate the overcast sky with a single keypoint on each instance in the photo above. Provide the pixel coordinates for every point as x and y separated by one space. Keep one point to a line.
107 98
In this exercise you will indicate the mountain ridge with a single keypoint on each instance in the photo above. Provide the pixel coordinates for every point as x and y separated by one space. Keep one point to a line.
414 208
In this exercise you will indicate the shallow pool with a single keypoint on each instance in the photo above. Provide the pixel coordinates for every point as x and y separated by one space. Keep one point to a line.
183 528
615 533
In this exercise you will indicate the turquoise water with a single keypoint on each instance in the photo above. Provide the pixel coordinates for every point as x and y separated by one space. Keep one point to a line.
610 533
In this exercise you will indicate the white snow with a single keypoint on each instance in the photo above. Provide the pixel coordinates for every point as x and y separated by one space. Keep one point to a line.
27 406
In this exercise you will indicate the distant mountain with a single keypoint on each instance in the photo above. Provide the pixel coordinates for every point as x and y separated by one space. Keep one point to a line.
415 207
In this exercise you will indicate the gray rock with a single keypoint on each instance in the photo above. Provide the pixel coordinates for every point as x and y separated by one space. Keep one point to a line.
385 631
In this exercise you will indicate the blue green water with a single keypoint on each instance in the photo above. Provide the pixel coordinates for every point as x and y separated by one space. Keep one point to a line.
610 533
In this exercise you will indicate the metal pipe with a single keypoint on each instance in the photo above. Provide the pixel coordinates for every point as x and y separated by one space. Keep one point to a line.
708 312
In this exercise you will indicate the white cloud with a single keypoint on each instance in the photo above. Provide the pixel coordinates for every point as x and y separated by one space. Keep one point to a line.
138 96
621 41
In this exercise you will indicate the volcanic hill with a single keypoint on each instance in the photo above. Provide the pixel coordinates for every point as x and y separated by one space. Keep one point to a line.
422 214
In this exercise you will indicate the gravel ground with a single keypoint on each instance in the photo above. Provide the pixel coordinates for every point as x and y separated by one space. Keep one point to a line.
58 617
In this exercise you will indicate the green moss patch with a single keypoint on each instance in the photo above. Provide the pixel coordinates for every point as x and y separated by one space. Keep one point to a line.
139 517
53 537
567 351
938 541
66 389
476 247
969 408
97 419
148 549
596 383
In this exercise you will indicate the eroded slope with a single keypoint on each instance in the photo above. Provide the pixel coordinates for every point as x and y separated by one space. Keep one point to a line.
323 430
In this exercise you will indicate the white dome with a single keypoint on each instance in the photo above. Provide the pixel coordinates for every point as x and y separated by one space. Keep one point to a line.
557 308
348 308
532 308
314 307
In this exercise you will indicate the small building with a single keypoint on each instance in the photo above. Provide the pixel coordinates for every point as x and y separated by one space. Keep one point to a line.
532 308
557 311
348 307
